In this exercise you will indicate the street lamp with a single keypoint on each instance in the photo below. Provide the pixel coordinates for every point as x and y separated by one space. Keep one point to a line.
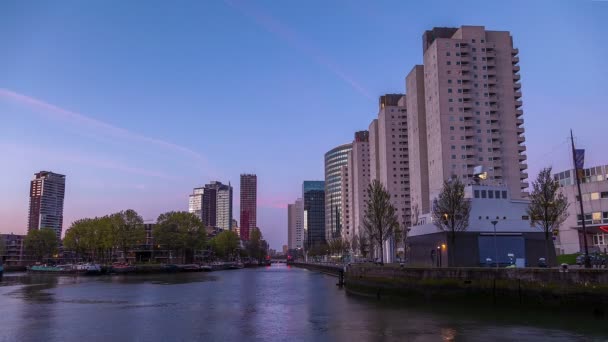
494 222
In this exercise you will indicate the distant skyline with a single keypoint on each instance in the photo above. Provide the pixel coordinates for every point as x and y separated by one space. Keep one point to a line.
139 103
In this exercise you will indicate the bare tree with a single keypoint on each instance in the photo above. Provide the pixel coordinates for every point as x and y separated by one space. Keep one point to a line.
548 207
380 220
451 211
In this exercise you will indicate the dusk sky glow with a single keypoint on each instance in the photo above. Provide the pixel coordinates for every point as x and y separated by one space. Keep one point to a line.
139 102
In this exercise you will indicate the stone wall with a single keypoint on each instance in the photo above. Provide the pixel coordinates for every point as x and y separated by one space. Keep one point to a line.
544 287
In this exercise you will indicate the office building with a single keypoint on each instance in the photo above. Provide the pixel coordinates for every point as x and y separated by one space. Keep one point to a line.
295 224
313 194
248 204
334 160
359 164
47 191
472 108
594 190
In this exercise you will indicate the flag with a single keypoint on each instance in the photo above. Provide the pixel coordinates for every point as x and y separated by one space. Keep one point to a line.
579 159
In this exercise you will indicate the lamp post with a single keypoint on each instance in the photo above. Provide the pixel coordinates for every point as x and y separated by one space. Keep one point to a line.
494 222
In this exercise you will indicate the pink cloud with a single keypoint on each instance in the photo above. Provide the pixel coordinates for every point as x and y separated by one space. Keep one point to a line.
58 113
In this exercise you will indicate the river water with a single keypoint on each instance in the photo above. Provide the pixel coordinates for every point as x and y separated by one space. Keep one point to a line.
276 303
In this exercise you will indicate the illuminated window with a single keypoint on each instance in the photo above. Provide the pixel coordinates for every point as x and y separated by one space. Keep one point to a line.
596 217
595 195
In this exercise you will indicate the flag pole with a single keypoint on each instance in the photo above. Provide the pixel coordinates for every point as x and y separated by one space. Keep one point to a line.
580 201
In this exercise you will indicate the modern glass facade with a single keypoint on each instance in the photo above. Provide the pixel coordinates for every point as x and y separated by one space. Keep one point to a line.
334 160
313 193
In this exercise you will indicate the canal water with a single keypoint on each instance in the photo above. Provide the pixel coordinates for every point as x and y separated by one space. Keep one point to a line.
276 303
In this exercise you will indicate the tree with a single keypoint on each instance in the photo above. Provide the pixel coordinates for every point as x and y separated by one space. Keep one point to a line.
41 243
225 243
128 230
180 232
451 211
548 207
362 243
380 220
254 245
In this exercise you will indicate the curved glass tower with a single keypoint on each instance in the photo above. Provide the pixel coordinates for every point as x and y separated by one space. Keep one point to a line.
335 159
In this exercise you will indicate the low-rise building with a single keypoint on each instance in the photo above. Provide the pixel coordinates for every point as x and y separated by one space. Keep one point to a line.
594 190
499 229
14 250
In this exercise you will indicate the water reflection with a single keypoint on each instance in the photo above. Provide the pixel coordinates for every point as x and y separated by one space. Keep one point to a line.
267 304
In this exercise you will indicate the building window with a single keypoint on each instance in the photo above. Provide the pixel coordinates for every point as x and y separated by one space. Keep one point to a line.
497 193
595 195
596 217
483 194
504 194
476 194
490 194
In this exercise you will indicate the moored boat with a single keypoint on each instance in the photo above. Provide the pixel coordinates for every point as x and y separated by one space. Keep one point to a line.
1 271
170 268
121 267
58 269
88 269
206 268
190 268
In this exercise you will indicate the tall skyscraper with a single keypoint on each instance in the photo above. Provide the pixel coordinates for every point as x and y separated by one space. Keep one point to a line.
359 165
295 224
248 205
195 202
472 107
47 192
313 194
334 160
389 149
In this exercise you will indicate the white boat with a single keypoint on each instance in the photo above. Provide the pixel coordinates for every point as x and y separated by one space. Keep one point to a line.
88 268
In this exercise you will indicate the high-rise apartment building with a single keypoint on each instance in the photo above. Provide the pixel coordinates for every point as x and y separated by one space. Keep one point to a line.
359 164
212 204
345 199
334 160
47 192
195 202
389 149
248 204
472 109
418 157
313 194
295 224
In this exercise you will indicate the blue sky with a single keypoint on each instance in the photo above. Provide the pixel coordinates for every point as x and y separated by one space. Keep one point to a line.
137 102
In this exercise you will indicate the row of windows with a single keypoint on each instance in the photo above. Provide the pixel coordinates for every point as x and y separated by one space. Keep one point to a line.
496 194
593 218
593 196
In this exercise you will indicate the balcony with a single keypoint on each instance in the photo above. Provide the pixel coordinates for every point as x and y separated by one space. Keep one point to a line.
521 148
519 122
517 94
521 139
518 103
516 77
516 68
491 71
520 130
515 60
491 63
523 166
523 175
514 51
524 185
519 112
517 85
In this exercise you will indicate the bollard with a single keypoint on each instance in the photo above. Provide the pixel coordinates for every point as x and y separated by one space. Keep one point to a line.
564 267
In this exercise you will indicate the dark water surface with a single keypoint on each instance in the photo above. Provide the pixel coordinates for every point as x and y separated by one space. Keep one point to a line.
277 303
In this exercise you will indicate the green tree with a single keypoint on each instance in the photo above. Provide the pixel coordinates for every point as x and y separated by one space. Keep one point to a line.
380 220
254 245
548 207
127 229
181 232
451 211
225 244
41 243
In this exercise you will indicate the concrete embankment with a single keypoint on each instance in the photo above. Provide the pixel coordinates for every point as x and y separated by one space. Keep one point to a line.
333 270
576 288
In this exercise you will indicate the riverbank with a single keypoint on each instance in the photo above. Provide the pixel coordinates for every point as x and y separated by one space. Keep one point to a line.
578 289
149 268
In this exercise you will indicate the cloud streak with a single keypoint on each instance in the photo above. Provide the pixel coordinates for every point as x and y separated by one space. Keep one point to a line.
58 113
288 35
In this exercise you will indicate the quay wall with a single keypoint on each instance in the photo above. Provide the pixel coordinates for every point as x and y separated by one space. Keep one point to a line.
581 288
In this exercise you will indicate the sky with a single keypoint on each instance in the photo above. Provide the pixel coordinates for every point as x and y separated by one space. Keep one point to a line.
139 102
